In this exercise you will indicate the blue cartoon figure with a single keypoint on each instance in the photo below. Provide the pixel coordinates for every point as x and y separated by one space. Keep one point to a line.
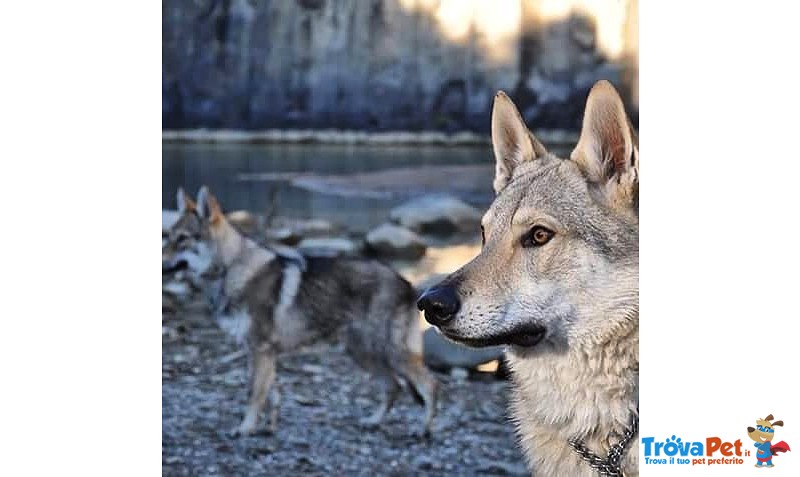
763 434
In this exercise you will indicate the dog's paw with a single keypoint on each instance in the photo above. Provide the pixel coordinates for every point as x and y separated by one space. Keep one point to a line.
242 430
273 423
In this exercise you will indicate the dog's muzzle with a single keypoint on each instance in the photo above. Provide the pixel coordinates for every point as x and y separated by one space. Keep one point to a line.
172 267
440 304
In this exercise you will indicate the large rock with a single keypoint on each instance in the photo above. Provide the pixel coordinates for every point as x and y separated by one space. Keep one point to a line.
393 241
437 214
328 247
442 354
291 231
429 281
244 221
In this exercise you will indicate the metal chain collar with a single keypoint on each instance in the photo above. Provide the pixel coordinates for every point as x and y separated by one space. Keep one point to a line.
610 466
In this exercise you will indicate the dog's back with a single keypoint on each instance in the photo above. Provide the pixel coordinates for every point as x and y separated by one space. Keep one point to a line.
357 293
292 305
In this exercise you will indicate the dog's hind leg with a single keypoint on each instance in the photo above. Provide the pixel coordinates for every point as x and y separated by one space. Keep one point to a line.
365 347
390 391
405 358
262 376
412 368
274 406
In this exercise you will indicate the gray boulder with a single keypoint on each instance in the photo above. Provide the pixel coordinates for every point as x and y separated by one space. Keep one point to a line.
244 221
436 214
291 231
393 241
429 281
328 247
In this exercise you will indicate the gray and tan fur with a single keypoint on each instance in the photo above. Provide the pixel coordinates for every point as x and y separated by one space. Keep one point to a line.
557 282
275 300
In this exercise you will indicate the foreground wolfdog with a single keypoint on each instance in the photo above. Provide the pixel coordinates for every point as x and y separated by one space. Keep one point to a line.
275 301
558 282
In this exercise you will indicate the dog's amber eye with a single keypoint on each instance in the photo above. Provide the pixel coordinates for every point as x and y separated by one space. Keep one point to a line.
537 237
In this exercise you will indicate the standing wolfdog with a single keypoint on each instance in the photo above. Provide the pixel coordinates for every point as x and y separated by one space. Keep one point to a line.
558 282
274 301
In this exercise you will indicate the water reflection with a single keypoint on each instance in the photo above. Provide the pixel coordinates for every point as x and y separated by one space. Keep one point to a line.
243 175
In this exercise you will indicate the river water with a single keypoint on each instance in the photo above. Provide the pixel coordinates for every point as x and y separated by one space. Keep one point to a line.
313 180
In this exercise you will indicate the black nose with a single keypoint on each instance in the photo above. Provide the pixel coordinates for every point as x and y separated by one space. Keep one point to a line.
440 304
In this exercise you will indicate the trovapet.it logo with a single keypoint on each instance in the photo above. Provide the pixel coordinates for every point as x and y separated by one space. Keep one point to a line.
717 451
710 451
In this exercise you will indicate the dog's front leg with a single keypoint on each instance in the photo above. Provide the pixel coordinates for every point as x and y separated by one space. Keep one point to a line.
262 376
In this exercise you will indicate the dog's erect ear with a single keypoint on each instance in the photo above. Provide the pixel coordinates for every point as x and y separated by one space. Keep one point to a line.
207 206
202 199
185 203
769 418
777 423
608 150
512 142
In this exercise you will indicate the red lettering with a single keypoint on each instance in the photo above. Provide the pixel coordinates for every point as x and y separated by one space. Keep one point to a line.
738 446
726 449
712 445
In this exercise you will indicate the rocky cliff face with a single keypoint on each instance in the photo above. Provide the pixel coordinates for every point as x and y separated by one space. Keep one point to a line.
386 64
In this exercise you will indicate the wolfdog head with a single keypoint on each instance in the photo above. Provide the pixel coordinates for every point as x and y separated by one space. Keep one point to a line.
186 246
202 238
559 264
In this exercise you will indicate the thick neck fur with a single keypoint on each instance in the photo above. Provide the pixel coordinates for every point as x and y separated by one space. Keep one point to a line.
228 242
589 391
241 257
